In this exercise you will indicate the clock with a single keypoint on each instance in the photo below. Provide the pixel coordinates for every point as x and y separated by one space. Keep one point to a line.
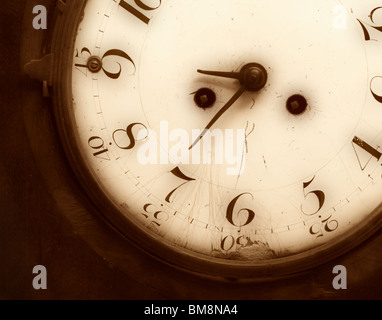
234 138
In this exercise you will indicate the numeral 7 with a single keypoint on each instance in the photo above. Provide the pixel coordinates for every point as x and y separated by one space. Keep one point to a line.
176 172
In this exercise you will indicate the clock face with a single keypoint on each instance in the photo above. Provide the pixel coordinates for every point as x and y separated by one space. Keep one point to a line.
228 134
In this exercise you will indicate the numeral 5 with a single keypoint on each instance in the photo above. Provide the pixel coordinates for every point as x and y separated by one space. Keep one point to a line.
316 193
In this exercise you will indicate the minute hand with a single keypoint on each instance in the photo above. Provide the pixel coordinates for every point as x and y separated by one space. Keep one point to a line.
219 114
252 77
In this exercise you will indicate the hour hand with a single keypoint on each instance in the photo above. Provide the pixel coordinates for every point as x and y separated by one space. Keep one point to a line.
232 75
252 76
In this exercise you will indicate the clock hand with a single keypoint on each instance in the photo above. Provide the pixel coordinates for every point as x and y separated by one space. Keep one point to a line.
252 77
232 75
218 115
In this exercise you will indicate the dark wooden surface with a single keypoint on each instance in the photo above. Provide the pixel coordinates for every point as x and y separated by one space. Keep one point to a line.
45 220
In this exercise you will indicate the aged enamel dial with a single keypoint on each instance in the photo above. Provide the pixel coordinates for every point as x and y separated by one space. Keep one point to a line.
230 137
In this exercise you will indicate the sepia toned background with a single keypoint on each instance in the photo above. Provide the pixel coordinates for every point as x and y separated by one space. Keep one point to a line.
46 220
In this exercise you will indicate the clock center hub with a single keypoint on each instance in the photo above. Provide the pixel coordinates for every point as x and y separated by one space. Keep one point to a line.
253 76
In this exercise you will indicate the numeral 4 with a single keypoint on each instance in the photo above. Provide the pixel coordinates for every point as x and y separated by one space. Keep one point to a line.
364 152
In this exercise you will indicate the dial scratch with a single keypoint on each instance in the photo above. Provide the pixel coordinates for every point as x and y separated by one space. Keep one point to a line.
265 162
246 150
248 134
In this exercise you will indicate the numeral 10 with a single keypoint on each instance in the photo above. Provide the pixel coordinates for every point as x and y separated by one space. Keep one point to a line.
138 13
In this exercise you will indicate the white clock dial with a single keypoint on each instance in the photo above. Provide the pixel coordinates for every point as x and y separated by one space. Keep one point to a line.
234 132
